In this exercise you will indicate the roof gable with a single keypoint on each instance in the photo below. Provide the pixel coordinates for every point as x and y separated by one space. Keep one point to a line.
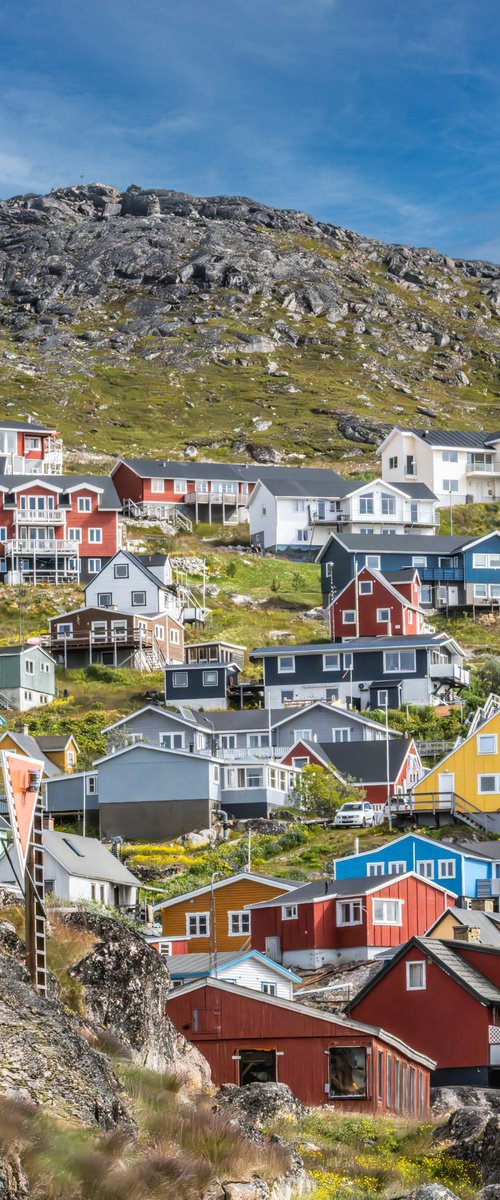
444 955
267 880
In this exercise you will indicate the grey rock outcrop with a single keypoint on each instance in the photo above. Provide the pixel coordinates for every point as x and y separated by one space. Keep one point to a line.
125 986
258 1103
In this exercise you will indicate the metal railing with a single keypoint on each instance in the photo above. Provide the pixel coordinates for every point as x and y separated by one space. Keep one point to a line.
434 803
42 546
41 516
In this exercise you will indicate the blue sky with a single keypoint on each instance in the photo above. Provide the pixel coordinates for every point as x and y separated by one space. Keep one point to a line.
381 115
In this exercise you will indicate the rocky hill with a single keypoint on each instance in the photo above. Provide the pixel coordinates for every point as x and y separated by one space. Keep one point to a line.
222 327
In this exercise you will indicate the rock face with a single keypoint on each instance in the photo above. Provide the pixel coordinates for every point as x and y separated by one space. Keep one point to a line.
125 986
46 1059
259 1103
474 1134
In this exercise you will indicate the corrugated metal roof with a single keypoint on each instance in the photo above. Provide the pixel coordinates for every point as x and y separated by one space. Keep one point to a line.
455 437
389 543
373 643
367 763
87 858
244 472
329 888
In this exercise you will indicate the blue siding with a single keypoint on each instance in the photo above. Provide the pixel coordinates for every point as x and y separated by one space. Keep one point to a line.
195 685
413 850
473 574
367 664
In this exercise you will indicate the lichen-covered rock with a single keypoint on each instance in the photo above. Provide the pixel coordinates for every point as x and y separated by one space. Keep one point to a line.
473 1134
259 1104
431 1191
125 986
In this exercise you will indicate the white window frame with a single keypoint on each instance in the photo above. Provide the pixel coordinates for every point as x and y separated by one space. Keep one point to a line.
450 486
84 504
447 868
91 785
174 637
373 869
29 666
121 570
240 916
94 566
196 917
289 912
365 587
399 670
337 662
341 729
74 534
419 560
210 683
397 867
104 596
169 736
481 737
381 620
349 616
95 535
180 487
488 791
286 670
416 987
373 561
175 684
354 906
383 920
269 988
157 485
425 862
65 630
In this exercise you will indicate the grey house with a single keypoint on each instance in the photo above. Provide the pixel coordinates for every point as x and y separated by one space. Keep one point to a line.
174 729
147 793
72 795
81 868
27 677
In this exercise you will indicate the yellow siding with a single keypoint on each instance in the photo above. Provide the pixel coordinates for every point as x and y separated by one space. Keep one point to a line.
233 897
444 930
465 763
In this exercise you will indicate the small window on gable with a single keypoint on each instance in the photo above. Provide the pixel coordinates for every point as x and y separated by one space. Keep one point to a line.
365 587
120 570
487 743
416 976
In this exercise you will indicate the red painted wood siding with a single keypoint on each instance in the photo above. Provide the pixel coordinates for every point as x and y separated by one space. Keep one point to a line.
229 1022
130 487
403 618
444 1021
127 484
106 521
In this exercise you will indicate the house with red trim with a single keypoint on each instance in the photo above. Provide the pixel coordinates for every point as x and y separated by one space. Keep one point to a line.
371 605
345 920
393 767
30 448
447 995
56 529
249 1036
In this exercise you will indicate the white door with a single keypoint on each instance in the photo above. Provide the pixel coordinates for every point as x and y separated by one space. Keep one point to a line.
453 597
446 788
273 948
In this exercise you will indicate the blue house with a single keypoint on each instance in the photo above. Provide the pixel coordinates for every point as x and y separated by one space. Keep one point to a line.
365 672
465 868
454 572
200 685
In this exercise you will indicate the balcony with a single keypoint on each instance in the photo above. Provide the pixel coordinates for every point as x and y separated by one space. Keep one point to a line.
449 672
41 516
482 468
42 546
441 574
329 518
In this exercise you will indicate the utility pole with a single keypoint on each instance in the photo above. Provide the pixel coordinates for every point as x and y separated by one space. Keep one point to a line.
387 760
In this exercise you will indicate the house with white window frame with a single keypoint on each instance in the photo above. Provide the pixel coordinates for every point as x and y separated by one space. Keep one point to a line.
458 466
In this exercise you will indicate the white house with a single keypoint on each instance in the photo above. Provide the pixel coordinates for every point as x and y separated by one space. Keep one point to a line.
297 517
80 868
459 467
245 968
133 583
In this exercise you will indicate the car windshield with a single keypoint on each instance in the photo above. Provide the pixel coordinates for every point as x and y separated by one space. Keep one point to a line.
351 807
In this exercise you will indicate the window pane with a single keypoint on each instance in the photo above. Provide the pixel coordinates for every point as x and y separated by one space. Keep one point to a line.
348 1071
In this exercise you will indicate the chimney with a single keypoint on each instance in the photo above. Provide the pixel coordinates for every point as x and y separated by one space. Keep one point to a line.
48 821
483 904
466 933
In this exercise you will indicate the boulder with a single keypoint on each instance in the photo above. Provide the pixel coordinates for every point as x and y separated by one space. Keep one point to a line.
258 1104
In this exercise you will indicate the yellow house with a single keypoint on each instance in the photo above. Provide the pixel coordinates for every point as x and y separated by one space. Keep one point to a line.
59 753
214 916
467 925
469 775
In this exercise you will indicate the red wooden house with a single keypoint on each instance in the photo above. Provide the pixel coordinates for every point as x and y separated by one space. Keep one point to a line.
447 996
371 606
247 1036
56 528
347 919
211 490
366 764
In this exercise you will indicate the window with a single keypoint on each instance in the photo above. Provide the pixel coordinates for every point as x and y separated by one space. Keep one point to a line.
331 662
298 506
120 570
419 560
341 734
446 868
380 1075
239 923
494 561
255 740
393 462
138 598
388 505
415 976
301 535
180 486
159 633
399 660
366 505
92 785
198 924
348 1072
270 989
373 561
65 630
375 868
487 743
210 678
84 504
263 511
420 1094
383 615
95 535
347 662
365 587
3 533
349 616
157 485
388 1080
480 591
289 912
286 697
450 485
172 741
332 694
425 867
27 696
94 566
278 779
254 777
299 763
286 664
216 773
386 912
414 513
175 637
479 560
383 698
104 600
71 758
450 456
179 679
33 443
397 868
74 535
488 784
228 741
349 912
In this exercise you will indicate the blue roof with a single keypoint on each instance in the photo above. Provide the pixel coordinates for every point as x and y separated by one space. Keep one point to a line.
181 966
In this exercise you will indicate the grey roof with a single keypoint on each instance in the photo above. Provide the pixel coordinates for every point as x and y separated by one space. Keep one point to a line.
32 748
50 741
244 472
485 849
136 561
87 858
416 491
474 918
327 887
456 437
388 543
447 956
404 575
21 649
311 483
153 560
108 498
361 643
182 965
28 427
369 766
